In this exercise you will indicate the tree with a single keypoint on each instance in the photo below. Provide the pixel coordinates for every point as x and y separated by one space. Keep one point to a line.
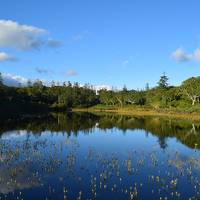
29 83
1 80
191 88
64 84
52 83
119 98
38 83
172 95
147 87
69 84
124 89
107 97
163 82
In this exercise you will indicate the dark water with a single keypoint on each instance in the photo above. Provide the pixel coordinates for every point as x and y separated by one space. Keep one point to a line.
86 156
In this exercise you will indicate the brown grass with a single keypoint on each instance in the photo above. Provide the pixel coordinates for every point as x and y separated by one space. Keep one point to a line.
144 112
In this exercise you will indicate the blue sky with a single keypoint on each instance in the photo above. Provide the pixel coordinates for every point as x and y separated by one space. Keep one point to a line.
110 42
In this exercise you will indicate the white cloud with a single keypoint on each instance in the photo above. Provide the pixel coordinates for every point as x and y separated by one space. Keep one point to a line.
71 72
197 54
13 80
23 37
97 88
5 57
180 56
101 87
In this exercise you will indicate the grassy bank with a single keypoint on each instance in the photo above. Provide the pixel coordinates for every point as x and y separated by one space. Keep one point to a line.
144 111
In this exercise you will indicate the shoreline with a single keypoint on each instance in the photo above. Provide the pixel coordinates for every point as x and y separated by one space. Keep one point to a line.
143 112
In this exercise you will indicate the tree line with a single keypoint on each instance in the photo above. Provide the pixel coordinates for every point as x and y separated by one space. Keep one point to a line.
69 95
36 94
161 96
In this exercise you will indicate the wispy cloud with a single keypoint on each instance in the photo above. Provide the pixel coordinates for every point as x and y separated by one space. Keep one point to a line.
24 37
5 57
41 70
197 54
127 61
53 43
80 36
180 56
71 72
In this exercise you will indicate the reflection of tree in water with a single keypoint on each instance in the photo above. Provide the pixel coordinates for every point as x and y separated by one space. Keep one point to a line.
56 122
161 127
35 159
71 123
162 142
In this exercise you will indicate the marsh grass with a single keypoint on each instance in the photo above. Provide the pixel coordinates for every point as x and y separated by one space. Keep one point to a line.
187 114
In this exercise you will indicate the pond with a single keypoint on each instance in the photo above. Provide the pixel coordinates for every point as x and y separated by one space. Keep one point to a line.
98 156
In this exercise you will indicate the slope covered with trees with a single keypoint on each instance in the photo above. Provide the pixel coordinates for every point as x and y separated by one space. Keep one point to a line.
185 96
38 97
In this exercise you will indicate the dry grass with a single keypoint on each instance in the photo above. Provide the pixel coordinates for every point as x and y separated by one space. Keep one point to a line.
144 112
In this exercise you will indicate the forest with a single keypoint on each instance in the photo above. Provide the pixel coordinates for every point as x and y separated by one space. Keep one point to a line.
36 96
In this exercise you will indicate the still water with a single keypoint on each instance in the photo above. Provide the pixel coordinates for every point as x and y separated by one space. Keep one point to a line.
86 156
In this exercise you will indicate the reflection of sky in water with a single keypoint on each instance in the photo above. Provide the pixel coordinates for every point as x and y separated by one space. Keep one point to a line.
103 164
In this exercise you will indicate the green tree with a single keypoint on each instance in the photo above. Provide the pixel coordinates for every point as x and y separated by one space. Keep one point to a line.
163 82
147 87
38 83
52 83
29 83
1 80
191 89
106 97
124 89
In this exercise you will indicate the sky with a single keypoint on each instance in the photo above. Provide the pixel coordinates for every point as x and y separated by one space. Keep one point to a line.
101 42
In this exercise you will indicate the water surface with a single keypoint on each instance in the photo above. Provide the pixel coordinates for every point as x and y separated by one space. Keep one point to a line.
87 156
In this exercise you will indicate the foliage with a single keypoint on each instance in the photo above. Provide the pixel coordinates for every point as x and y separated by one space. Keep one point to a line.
163 82
191 89
1 80
54 97
67 96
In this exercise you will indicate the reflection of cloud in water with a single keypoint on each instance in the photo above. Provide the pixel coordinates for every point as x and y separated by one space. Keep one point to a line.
13 134
16 178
